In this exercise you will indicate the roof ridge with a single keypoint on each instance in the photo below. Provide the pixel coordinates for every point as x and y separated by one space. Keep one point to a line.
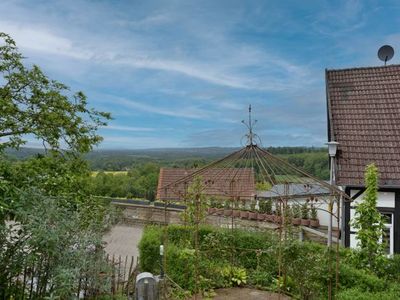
363 68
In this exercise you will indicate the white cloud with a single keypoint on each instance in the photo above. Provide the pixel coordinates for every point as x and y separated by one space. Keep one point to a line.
184 111
141 52
128 128
124 142
42 40
149 21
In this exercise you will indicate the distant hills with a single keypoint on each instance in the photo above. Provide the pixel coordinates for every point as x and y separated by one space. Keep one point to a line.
314 160
164 153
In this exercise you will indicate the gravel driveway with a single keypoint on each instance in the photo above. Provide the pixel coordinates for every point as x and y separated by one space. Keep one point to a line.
123 240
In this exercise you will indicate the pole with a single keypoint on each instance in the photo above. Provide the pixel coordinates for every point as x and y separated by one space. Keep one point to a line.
161 261
330 208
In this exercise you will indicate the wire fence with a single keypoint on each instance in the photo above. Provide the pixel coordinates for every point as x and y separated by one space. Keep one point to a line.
110 275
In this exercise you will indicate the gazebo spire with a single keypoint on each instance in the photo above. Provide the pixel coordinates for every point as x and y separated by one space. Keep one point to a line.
250 135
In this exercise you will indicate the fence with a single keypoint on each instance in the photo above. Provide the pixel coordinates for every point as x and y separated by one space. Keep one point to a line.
112 275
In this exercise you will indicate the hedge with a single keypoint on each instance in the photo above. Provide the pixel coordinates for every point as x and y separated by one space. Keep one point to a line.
306 264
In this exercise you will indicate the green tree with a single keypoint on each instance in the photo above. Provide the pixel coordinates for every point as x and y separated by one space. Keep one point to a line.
33 104
369 225
47 216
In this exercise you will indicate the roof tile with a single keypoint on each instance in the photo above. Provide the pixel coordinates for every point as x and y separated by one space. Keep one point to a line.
364 110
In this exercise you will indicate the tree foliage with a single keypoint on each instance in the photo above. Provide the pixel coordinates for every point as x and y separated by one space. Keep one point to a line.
369 224
48 219
140 182
33 104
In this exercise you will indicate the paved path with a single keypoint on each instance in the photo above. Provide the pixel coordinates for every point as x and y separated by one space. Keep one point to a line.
123 240
245 294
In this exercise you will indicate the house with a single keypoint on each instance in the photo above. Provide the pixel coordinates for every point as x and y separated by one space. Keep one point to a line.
299 193
363 106
218 182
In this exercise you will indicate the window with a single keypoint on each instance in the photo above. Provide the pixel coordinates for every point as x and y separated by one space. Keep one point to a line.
388 237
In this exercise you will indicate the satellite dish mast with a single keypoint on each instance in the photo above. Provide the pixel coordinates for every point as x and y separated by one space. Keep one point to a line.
385 53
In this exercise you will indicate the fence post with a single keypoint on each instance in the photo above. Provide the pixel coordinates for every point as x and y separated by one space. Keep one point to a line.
113 276
129 276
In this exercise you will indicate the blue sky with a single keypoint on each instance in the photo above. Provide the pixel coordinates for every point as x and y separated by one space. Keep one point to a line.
182 73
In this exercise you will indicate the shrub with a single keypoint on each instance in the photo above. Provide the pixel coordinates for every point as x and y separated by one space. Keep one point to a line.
314 213
261 277
234 276
307 265
149 249
359 294
392 270
304 211
266 206
296 211
253 257
351 277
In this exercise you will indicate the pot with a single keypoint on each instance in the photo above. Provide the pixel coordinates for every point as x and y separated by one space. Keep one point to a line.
212 210
270 218
305 222
236 213
220 211
314 223
227 212
296 221
252 215
244 214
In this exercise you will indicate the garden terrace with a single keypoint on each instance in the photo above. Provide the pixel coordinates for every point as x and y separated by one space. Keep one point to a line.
252 184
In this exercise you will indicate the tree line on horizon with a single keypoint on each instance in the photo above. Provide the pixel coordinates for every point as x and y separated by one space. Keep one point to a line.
141 178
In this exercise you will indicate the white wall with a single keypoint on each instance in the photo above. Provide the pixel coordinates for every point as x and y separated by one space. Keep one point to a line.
385 199
322 210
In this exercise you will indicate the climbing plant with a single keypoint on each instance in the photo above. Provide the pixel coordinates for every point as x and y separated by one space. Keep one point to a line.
369 225
196 203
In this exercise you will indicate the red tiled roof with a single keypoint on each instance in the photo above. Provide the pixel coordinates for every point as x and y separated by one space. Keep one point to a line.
217 182
364 117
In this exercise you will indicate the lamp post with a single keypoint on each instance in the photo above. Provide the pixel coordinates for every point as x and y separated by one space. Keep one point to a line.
161 261
332 149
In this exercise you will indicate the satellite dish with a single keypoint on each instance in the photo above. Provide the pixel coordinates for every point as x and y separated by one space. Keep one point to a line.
385 53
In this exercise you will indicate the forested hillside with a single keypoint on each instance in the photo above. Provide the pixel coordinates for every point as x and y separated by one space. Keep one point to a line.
141 167
311 159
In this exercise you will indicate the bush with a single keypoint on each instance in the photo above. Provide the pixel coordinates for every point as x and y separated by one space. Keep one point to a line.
266 206
254 255
392 270
307 265
149 249
359 294
352 278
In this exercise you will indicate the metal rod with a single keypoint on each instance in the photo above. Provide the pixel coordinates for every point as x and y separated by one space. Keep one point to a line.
330 207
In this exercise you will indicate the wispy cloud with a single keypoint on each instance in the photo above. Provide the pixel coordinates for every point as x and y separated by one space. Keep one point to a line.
43 40
195 68
341 18
190 112
128 128
146 22
124 142
219 70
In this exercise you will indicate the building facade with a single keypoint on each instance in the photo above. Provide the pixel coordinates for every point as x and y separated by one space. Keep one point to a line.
363 106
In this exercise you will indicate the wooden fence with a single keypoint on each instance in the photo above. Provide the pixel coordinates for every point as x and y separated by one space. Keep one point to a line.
116 276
